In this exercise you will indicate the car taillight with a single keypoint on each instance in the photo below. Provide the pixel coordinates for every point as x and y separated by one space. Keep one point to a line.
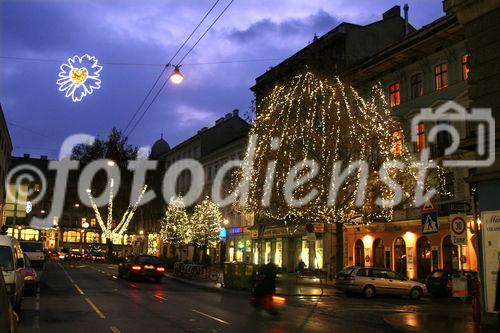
278 299
136 268
160 269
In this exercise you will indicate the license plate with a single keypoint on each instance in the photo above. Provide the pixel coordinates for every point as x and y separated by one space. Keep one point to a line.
149 267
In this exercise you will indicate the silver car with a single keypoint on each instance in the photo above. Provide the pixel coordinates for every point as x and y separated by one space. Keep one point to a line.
370 281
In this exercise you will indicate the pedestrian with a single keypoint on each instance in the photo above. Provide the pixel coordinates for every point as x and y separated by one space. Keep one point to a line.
302 265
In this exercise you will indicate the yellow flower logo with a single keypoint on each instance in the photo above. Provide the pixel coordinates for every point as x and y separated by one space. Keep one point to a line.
79 77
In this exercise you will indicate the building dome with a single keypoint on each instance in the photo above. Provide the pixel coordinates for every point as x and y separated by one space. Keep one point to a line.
159 148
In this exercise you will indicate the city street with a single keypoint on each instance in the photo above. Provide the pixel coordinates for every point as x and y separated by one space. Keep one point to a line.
89 298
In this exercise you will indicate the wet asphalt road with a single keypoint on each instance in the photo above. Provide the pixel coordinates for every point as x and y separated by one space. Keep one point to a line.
89 298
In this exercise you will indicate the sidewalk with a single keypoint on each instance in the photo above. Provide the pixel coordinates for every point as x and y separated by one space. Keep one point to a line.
286 286
434 323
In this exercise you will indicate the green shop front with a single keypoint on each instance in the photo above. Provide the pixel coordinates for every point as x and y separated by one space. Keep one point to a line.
286 246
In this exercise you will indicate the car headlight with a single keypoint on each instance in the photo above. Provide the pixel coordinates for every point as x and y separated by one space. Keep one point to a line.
10 287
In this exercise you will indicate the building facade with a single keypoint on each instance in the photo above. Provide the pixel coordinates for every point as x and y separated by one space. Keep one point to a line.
5 152
425 70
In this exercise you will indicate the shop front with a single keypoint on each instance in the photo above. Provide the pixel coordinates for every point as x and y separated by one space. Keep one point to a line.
238 245
401 246
286 246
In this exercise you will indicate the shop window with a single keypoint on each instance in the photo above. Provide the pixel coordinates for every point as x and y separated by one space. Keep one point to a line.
93 223
397 143
420 144
416 85
465 67
359 255
319 253
71 236
400 256
267 253
91 237
29 234
423 258
378 253
450 254
36 187
255 253
394 94
278 254
441 76
304 253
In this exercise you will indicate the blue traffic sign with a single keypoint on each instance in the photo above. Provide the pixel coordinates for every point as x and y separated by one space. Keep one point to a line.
430 223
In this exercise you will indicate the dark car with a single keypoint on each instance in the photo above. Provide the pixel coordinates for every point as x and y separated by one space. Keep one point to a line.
440 282
141 266
8 318
30 278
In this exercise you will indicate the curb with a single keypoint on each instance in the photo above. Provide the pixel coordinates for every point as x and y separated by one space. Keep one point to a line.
231 291
201 286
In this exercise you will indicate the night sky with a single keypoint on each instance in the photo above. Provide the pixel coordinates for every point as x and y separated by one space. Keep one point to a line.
149 32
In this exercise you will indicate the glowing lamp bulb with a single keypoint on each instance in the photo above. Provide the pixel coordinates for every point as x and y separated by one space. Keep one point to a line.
176 77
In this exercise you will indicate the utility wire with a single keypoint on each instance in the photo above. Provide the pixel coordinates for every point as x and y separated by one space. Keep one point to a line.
206 31
165 68
27 129
179 64
219 62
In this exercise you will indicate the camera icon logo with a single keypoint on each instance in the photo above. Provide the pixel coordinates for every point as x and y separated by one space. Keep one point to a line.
451 112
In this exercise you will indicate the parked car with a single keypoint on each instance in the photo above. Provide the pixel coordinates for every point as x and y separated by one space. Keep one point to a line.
370 281
74 255
8 318
440 281
34 251
143 265
30 277
12 264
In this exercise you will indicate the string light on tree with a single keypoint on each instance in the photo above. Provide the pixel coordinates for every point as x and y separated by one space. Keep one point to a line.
109 232
175 225
320 119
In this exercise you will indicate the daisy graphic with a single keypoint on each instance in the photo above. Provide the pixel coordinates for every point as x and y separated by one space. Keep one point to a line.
79 77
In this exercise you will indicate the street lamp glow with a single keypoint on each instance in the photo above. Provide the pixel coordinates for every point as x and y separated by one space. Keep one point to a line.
176 77
141 232
111 163
226 221
85 225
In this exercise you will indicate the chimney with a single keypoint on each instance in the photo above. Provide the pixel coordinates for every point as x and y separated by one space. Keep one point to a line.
26 155
393 12
236 113
407 24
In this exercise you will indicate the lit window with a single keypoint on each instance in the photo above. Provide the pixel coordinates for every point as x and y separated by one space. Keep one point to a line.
417 86
465 66
441 76
36 187
397 143
93 223
71 236
420 144
394 94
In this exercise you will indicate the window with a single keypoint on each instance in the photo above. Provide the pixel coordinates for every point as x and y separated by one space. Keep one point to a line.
93 223
465 66
29 234
36 187
441 76
397 143
394 94
420 144
71 236
417 86
91 237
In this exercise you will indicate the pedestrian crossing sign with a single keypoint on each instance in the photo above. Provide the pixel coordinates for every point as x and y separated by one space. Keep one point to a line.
430 223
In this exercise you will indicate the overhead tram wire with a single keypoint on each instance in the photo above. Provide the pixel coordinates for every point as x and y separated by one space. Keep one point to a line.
167 65
179 64
206 31
116 63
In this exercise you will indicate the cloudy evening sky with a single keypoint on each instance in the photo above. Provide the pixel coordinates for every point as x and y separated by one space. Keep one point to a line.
149 32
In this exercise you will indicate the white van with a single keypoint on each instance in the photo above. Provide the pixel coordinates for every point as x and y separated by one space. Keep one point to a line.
34 251
12 263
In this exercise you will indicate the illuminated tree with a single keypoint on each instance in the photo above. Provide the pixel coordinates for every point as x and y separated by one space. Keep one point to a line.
175 226
311 118
206 224
109 231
